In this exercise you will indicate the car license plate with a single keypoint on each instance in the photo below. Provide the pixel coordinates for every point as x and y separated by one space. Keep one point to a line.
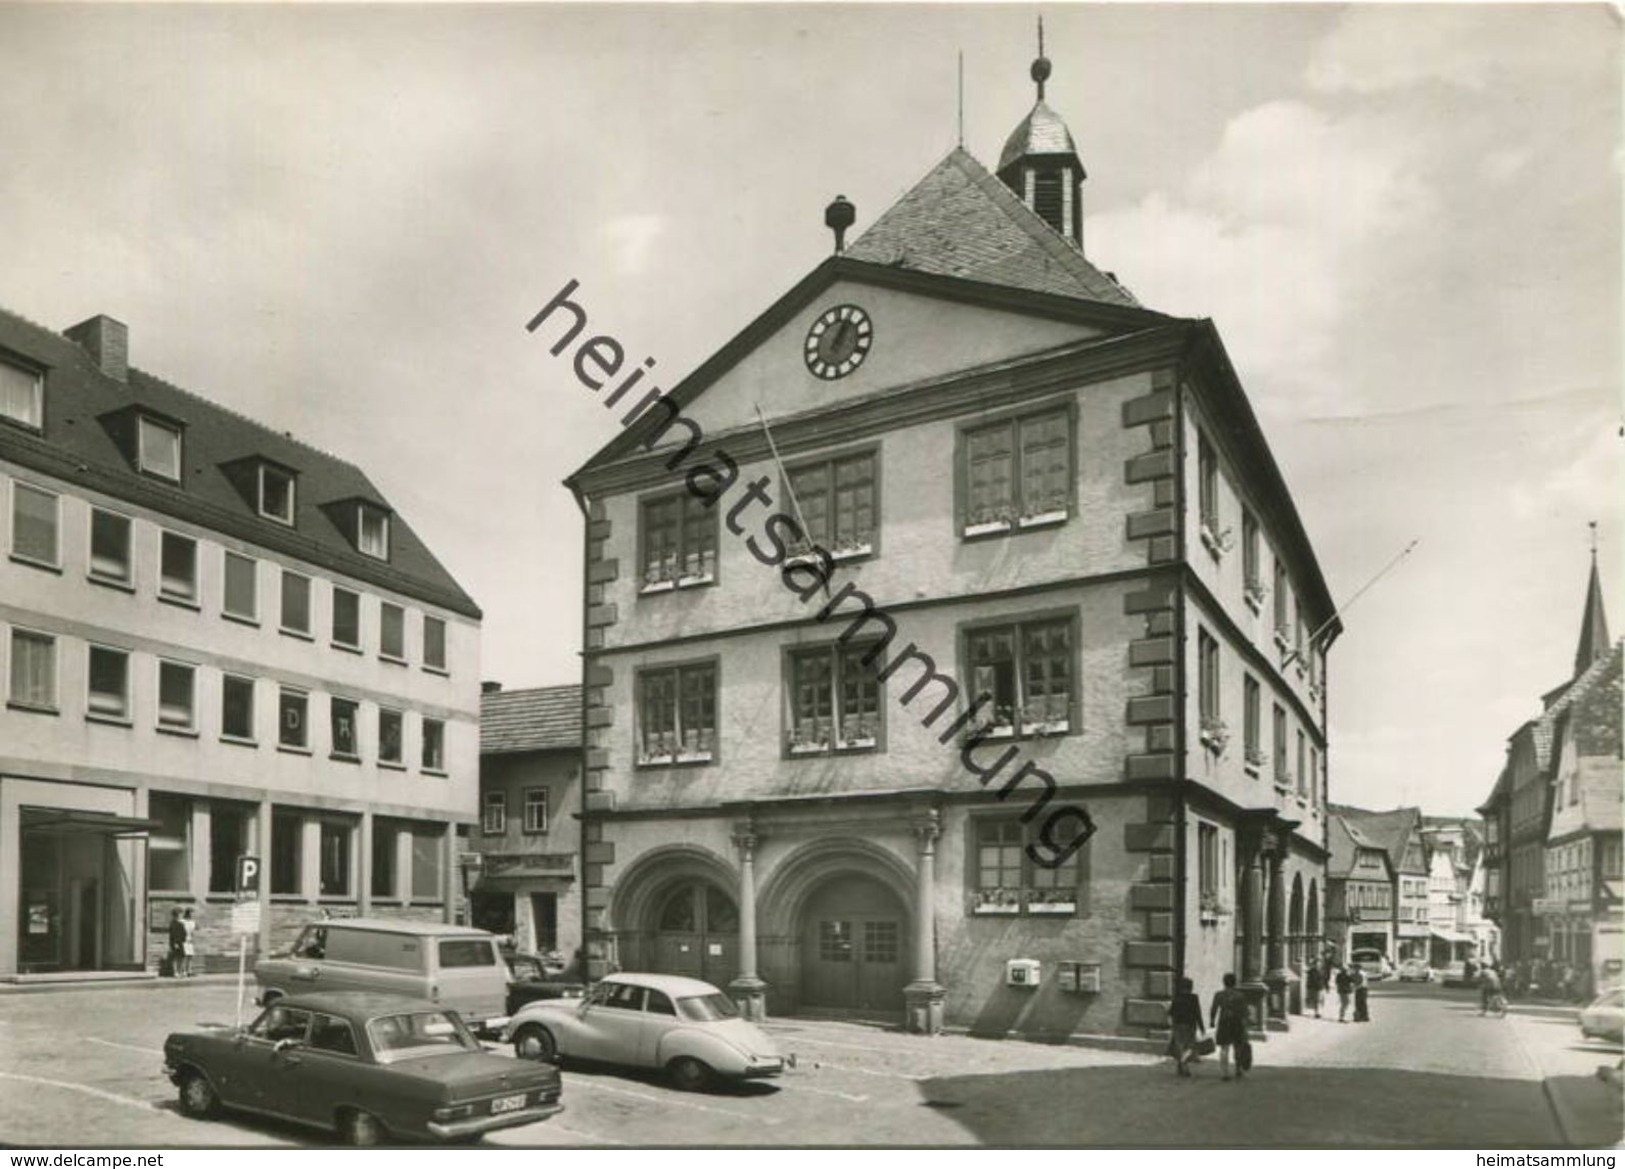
507 1104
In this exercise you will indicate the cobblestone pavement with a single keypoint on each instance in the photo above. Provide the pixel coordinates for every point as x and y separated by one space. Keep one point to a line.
85 1066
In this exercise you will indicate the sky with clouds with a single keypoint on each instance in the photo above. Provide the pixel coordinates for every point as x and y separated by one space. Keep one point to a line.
1405 221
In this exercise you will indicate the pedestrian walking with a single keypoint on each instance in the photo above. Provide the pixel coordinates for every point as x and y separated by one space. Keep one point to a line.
1362 1006
1489 992
1184 1022
1344 982
1314 983
177 943
1228 1016
188 943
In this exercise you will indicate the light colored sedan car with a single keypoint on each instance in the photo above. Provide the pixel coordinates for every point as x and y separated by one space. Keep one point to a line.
1415 970
685 1026
1605 1017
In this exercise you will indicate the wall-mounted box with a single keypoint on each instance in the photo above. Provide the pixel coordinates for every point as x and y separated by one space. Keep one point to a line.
1022 972
1078 977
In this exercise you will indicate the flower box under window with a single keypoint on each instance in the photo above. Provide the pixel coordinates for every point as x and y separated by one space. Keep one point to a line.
1256 760
1215 735
1254 591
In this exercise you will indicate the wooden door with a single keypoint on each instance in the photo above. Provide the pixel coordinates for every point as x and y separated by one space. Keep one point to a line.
854 947
697 934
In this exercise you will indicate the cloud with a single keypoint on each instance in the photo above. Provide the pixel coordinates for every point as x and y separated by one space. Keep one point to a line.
1385 47
1275 235
630 239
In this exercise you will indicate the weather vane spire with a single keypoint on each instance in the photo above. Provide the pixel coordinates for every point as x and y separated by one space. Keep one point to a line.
1041 66
1593 541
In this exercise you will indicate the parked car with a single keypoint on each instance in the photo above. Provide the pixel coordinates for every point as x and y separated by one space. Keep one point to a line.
1373 964
1415 970
1455 974
1605 1017
688 1027
536 977
365 1065
455 966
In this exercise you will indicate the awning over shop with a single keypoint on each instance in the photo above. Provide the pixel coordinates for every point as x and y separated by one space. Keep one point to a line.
78 822
1450 936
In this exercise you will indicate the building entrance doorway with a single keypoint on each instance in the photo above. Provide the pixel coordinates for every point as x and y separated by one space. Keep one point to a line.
697 934
854 946
62 915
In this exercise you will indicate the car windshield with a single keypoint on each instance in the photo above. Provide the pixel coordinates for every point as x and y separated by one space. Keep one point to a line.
411 1035
523 968
707 1008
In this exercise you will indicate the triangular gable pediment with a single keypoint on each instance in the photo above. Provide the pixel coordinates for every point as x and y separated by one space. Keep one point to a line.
925 325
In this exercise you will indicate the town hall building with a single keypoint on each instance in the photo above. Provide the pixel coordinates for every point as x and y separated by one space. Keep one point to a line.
954 651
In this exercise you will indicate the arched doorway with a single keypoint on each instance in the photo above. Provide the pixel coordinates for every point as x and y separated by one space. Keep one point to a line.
696 933
854 946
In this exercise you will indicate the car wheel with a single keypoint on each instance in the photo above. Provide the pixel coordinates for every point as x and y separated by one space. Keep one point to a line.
533 1042
688 1074
198 1097
360 1129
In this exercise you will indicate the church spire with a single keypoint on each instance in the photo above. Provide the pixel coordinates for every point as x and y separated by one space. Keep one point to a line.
1040 163
1594 641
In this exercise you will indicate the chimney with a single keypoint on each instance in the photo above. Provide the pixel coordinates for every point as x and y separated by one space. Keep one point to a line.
107 341
490 687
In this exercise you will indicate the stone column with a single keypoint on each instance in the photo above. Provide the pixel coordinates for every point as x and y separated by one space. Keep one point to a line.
748 989
1277 977
262 847
924 996
363 852
1251 842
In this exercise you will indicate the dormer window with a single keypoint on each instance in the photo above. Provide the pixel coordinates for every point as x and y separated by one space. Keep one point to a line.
158 448
22 395
276 493
372 531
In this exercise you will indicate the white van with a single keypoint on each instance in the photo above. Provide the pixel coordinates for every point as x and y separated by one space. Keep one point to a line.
453 965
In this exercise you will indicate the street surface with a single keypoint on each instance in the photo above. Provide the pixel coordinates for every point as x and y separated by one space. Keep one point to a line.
82 1068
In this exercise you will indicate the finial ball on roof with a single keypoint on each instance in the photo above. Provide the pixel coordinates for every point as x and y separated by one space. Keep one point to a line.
1041 70
840 213
839 216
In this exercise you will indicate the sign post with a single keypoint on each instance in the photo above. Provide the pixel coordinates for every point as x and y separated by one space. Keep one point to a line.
245 920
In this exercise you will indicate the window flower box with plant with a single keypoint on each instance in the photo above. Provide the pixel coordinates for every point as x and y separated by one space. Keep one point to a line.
1212 906
1256 760
1215 735
1255 591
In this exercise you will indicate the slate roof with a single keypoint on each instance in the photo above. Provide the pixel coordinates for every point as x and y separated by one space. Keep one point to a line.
1591 717
1594 639
1344 839
1390 831
1041 132
546 718
1548 725
80 444
960 220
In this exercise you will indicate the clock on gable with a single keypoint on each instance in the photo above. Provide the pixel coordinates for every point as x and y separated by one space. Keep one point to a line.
838 341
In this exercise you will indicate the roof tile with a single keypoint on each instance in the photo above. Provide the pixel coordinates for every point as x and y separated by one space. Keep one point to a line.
959 220
543 719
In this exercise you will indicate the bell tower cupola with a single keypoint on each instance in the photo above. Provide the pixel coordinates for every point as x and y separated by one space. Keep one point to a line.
1040 163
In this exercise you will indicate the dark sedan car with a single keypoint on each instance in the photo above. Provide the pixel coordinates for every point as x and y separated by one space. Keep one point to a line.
362 1064
534 977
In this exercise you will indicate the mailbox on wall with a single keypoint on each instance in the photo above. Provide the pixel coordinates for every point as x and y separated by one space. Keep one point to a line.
1078 977
1022 972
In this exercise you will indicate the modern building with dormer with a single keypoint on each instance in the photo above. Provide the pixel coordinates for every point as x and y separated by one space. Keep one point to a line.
216 641
953 647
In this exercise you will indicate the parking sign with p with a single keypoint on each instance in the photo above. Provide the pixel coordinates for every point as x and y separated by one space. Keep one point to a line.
248 876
